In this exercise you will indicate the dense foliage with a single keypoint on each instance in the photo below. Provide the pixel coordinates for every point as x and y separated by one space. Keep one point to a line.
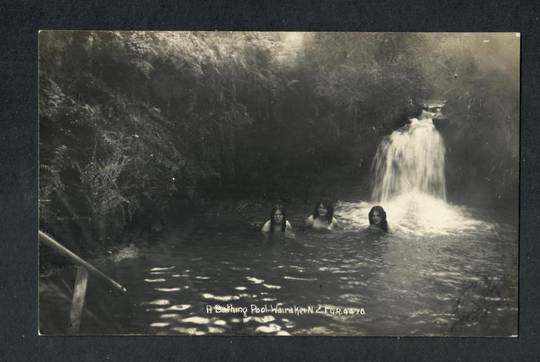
138 125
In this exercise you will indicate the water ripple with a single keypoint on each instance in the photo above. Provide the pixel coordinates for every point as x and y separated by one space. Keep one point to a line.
270 286
162 268
255 280
261 320
196 320
224 298
190 331
167 289
215 330
271 328
298 278
178 307
159 324
171 315
157 302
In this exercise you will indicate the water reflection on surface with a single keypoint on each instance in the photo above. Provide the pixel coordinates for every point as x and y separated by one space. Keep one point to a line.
453 284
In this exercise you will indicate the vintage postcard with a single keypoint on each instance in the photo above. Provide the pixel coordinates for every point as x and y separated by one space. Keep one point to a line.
278 183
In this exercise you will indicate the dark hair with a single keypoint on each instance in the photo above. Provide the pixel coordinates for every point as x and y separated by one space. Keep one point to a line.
329 210
283 221
383 224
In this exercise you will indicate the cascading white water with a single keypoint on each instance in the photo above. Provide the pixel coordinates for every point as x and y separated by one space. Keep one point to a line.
409 183
411 159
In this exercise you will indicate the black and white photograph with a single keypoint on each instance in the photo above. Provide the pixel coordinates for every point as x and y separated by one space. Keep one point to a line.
249 183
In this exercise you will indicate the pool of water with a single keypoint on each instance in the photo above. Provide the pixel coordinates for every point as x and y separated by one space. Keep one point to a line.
221 277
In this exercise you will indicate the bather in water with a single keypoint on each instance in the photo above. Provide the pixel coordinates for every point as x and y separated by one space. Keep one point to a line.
322 217
377 219
278 223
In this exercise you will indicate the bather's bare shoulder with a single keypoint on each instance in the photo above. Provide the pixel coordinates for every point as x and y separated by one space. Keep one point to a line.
266 227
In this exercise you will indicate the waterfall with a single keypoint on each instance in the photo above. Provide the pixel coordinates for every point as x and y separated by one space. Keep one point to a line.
409 183
410 161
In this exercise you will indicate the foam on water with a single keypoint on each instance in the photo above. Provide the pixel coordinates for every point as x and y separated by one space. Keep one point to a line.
414 213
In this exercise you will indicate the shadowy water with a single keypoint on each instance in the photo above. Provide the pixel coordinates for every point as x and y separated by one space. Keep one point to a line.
197 279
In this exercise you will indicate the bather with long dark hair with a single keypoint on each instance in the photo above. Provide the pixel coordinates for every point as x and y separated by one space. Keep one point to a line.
323 216
278 221
377 219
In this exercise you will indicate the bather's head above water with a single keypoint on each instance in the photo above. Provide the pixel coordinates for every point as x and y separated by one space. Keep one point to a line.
322 217
278 222
277 217
377 218
324 209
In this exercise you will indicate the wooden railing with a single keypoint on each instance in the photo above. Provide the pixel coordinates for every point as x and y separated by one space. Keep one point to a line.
81 280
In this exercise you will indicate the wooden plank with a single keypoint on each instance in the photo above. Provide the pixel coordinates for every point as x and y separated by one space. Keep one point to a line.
77 305
78 260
